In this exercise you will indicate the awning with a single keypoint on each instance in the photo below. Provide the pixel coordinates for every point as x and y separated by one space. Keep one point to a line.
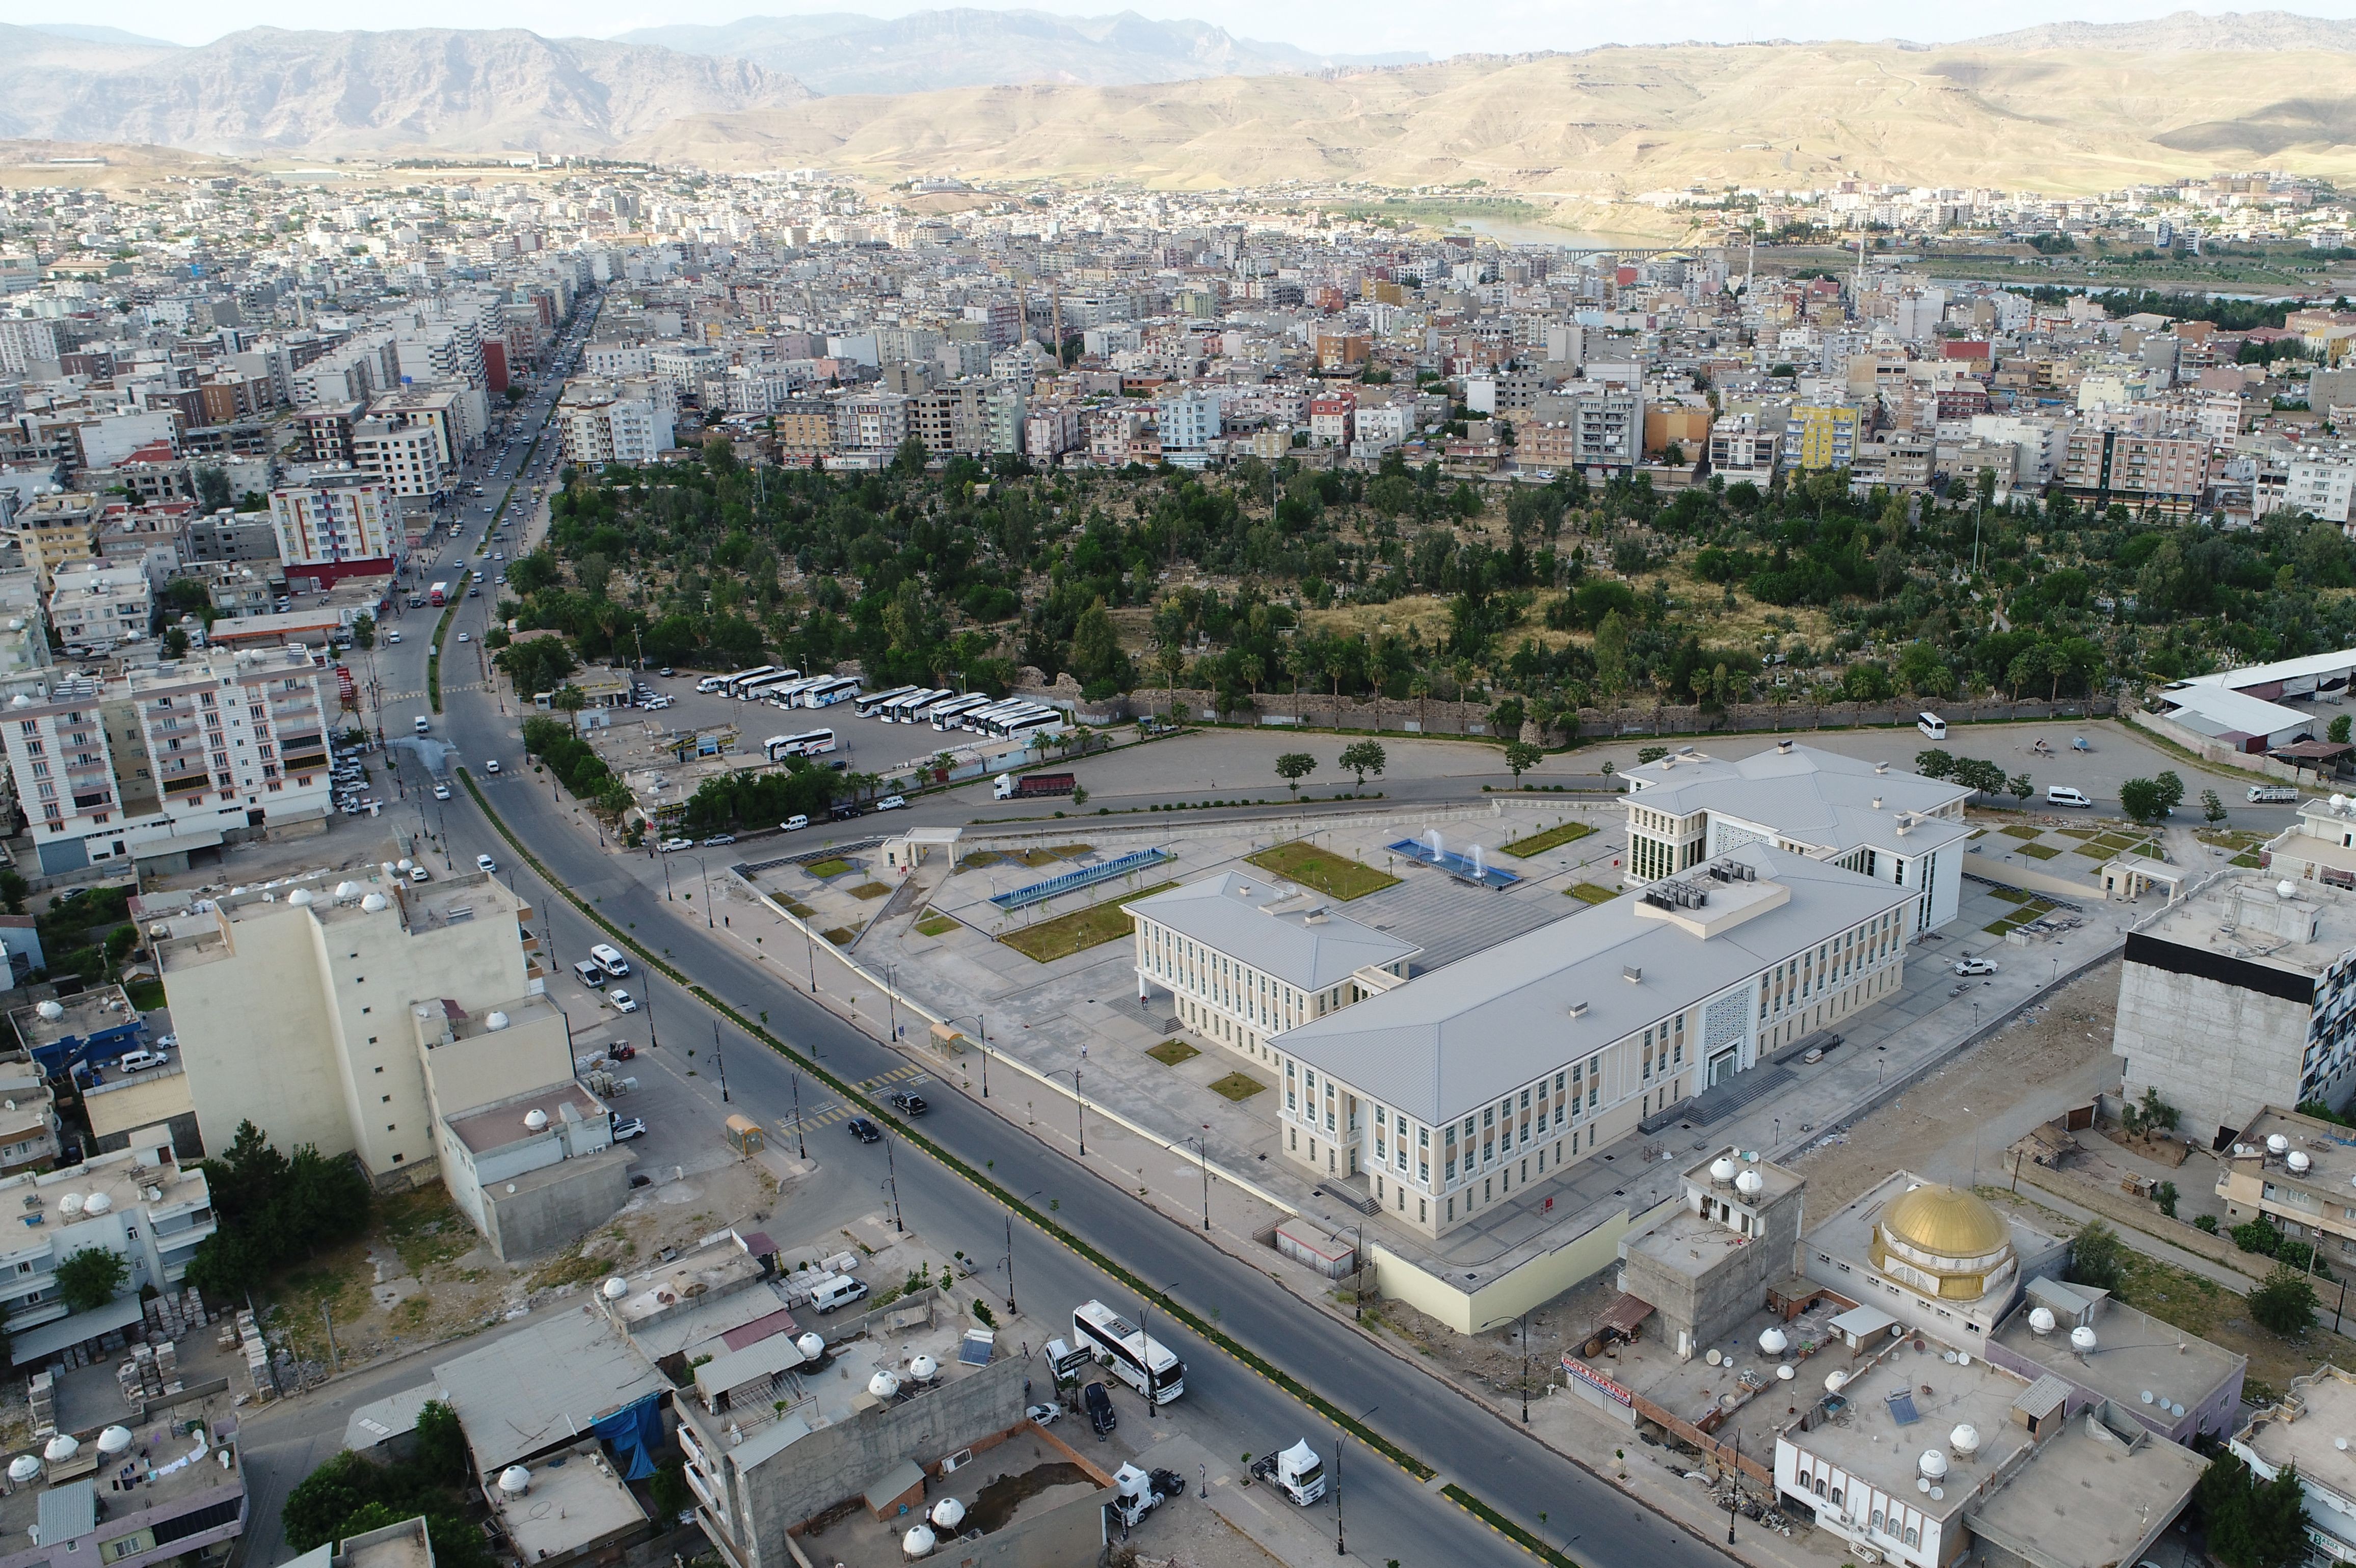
36 1344
1623 1315
1862 1322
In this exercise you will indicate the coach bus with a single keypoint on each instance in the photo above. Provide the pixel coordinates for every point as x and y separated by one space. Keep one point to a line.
1133 1356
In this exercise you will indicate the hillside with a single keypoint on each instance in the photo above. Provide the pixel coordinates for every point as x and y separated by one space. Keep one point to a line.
839 52
1607 122
450 89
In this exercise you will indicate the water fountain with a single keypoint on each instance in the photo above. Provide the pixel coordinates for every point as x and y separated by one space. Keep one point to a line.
1480 870
1432 838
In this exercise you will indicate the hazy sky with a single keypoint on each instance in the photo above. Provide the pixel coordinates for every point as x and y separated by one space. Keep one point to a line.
1358 26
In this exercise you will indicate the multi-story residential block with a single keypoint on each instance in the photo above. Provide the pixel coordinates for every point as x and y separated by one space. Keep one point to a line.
1331 416
58 531
2304 1431
873 422
2321 487
97 608
167 758
150 1211
602 422
403 455
1740 450
336 527
2165 472
1820 436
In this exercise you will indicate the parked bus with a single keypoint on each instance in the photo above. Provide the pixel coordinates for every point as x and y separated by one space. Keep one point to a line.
742 686
755 691
944 715
905 711
870 704
727 683
1029 716
827 693
1133 1356
979 719
808 743
1051 719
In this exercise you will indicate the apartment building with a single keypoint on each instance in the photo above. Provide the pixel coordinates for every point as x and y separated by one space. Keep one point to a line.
167 758
97 608
2321 487
2164 472
1821 436
58 531
404 455
871 421
1740 450
606 422
336 526
139 1204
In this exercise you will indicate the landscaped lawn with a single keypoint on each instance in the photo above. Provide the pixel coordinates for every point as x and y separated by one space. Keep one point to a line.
936 925
822 869
1171 1052
1587 893
841 935
871 890
1329 873
2040 851
1082 928
1238 1086
1553 837
2018 831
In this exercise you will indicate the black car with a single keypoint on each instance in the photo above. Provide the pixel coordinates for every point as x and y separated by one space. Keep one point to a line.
865 1131
908 1104
1098 1402
847 810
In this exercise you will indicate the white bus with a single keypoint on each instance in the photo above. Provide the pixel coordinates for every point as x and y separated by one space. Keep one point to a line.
827 693
944 715
737 682
1133 1356
755 691
982 719
868 705
785 693
905 710
1931 724
1012 720
808 743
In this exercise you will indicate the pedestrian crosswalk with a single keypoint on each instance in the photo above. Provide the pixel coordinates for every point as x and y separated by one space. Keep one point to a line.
829 1112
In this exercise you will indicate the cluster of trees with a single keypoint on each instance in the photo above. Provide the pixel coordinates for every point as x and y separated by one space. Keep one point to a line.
535 663
581 770
1974 773
273 1210
750 800
352 1494
86 933
2250 1524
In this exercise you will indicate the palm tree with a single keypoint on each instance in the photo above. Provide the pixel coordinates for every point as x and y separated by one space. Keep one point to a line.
1418 686
1254 669
1300 659
1169 661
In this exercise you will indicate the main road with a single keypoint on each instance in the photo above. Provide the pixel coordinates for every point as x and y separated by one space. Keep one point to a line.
1393 1514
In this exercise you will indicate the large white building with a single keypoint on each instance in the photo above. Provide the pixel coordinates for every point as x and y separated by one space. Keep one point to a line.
96 607
604 421
1459 1086
169 757
327 529
1878 821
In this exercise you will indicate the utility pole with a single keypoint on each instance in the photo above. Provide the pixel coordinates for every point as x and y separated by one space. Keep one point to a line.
801 1143
718 1065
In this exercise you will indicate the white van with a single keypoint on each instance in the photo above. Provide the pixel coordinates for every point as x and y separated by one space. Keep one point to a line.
1931 724
2273 795
610 959
589 974
2062 794
422 723
836 1290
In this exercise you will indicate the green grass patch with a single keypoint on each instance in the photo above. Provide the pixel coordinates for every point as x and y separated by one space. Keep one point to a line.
799 909
2011 895
426 1228
937 926
871 890
1171 1052
145 995
1082 929
1589 894
434 659
1553 837
2040 851
2248 862
2018 831
1331 874
2092 852
2115 842
2150 851
822 869
843 935
1238 1086
1071 851
981 858
2080 832
1034 859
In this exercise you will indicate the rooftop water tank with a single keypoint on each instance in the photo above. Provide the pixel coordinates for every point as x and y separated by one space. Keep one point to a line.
299 897
23 1468
535 1118
1722 1168
404 865
2082 1339
918 1542
811 1346
616 1288
348 888
52 1011
2286 889
2278 1144
1749 1184
2041 1320
496 1021
97 1203
2298 1162
514 1481
1932 1464
924 1369
115 1440
69 1204
1964 1440
1774 1341
1835 1382
376 901
62 1448
885 1384
949 1513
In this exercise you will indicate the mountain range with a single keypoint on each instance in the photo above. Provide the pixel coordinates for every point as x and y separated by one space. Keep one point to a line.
2063 107
928 50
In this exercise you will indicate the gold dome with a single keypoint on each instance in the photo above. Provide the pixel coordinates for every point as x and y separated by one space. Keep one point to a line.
1946 1222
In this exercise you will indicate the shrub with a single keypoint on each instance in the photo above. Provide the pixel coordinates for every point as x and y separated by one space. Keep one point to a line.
2097 1258
2285 1303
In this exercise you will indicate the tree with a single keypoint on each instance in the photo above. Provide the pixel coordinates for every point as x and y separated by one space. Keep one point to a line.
1934 763
2021 788
2284 1302
364 632
2141 800
1980 774
176 643
1521 756
2211 808
1295 766
2338 732
1364 757
91 1277
2166 1195
212 489
2171 790
2097 1257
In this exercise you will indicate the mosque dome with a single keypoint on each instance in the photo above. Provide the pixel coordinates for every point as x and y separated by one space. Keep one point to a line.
1943 1242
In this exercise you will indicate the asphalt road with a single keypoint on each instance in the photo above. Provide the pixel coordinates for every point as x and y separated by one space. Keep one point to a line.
1392 1514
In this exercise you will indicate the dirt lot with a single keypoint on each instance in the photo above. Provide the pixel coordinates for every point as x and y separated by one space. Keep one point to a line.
2027 1075
422 1276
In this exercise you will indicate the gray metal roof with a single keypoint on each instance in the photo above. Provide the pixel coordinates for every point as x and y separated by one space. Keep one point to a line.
1274 927
67 1512
544 1385
1822 799
1461 1035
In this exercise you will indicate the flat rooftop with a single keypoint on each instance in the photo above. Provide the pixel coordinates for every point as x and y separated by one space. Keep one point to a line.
2134 1354
1820 798
2306 1427
575 1503
1868 1439
2093 1497
1758 1403
1297 937
1013 1482
2330 1151
156 1444
461 1025
2246 918
83 1014
340 898
499 1125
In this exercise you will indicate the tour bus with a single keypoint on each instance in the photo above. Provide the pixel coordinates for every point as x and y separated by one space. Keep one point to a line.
980 718
905 711
944 715
808 743
723 683
872 703
1133 1356
1931 724
783 693
827 693
1016 721
743 685
767 686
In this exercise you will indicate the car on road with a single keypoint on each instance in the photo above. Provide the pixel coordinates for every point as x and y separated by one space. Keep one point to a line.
720 838
634 1128
794 824
1974 966
392 636
893 803
485 863
1098 1401
623 1001
440 792
1043 1415
420 874
640 1178
491 765
669 845
846 810
863 1129
664 671
908 1103
465 637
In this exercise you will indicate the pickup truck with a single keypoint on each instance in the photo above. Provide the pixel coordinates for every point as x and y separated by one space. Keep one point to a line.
1010 788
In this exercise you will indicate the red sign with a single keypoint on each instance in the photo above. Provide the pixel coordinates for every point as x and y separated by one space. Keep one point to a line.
345 685
1597 1381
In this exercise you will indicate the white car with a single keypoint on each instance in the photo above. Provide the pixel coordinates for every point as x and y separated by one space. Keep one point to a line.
440 792
668 845
623 1001
491 766
1974 966
420 874
893 803
794 824
465 637
392 636
485 863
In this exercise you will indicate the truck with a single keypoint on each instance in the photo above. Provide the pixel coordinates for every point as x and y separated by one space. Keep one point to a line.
1297 1472
1137 1493
438 594
1011 786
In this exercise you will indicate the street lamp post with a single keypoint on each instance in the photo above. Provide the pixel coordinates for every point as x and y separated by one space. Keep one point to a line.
1340 1440
1144 1320
718 1065
801 1143
1525 1369
984 1029
892 1179
892 1000
1079 1104
1203 1153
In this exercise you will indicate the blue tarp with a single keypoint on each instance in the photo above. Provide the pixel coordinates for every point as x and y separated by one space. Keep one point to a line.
634 1433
